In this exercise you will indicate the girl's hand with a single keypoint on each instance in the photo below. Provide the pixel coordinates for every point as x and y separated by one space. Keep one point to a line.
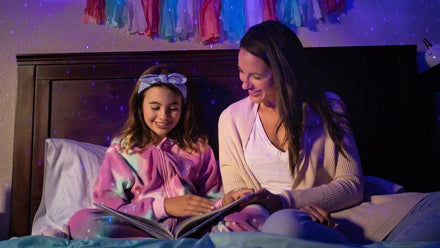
270 201
319 215
188 205
234 195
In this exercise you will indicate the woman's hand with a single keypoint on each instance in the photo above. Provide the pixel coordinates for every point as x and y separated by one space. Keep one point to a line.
188 205
270 201
234 195
319 215
263 197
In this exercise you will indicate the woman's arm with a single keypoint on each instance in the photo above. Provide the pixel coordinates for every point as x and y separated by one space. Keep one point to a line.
336 181
230 152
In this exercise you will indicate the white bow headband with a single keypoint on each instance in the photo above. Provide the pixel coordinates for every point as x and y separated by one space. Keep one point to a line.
176 79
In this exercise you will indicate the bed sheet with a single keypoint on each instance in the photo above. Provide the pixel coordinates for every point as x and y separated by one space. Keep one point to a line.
213 240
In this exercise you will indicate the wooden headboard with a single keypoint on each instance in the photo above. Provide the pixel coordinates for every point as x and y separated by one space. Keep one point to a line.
84 97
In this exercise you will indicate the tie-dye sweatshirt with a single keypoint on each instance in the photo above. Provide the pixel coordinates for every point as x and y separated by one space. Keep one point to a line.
138 183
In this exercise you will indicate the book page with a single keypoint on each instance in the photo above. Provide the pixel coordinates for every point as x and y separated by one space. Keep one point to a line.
184 228
192 224
151 227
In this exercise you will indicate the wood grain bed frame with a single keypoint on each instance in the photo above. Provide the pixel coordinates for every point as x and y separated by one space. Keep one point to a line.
84 97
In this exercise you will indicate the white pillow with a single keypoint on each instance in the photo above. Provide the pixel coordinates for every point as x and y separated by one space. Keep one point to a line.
71 168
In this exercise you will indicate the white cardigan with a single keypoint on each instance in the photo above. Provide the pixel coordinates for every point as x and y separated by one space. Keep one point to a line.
323 177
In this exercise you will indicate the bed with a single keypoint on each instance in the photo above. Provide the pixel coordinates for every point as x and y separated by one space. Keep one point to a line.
70 105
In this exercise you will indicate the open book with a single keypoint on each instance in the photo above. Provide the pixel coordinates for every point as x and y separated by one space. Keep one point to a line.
184 228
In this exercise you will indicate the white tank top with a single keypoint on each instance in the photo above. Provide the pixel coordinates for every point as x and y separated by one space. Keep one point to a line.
269 165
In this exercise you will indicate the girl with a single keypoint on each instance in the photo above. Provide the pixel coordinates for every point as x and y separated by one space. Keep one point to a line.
158 167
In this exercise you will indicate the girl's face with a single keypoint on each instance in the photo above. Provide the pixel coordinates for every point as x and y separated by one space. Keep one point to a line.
256 78
161 108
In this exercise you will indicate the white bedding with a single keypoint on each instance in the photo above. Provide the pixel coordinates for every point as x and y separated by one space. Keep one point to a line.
70 172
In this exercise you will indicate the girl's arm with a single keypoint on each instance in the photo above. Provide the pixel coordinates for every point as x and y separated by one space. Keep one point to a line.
206 191
209 183
114 184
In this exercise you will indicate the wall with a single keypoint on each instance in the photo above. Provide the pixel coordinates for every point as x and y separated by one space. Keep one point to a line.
54 26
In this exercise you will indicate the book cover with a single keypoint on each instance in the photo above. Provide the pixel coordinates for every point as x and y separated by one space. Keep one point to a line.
185 228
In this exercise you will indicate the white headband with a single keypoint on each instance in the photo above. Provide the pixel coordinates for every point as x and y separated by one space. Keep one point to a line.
176 79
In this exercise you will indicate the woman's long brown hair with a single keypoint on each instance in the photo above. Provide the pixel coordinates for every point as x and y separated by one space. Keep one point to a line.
296 83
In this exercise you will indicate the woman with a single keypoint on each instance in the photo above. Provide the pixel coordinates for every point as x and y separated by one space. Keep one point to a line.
290 141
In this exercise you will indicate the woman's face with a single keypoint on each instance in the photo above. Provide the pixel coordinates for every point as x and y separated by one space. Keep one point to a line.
256 78
161 108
